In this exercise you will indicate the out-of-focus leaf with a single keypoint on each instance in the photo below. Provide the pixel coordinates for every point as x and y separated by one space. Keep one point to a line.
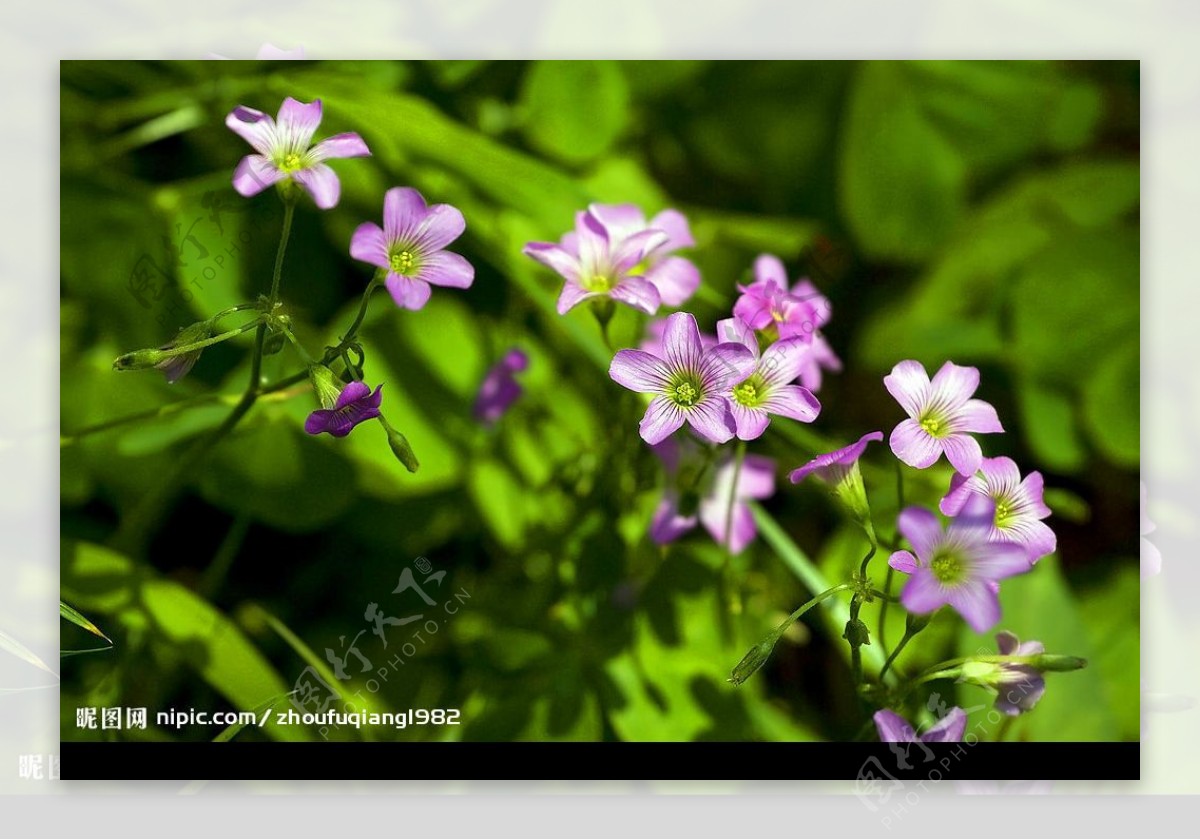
1047 422
574 110
903 184
273 471
1111 613
1111 409
497 496
1085 286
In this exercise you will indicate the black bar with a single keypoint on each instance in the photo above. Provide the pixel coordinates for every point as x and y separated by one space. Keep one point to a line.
700 760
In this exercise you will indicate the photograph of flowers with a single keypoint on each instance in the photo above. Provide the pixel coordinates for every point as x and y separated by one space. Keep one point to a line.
640 408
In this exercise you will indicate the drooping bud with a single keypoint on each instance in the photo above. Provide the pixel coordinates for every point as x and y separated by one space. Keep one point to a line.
400 446
325 385
174 365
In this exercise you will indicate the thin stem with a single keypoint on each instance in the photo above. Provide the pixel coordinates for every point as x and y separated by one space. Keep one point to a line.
733 598
909 633
883 607
290 336
149 414
362 312
241 307
289 208
181 349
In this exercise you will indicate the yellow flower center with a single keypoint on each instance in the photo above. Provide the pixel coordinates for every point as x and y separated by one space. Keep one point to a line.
291 162
402 262
933 426
947 568
597 283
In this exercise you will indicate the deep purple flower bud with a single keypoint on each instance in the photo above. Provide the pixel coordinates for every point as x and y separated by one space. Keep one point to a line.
500 387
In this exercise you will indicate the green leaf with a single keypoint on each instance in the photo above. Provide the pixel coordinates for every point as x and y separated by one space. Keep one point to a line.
1111 409
574 110
78 619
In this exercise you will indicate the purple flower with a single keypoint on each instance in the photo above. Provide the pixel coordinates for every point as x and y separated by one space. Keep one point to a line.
958 566
1151 556
833 467
1019 505
500 387
769 389
285 152
675 278
597 262
1020 687
410 247
940 415
894 729
700 492
689 382
354 404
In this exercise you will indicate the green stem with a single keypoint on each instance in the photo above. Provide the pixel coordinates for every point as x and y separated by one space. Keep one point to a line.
289 208
131 535
149 414
208 342
855 606
291 337
733 599
909 633
352 333
883 607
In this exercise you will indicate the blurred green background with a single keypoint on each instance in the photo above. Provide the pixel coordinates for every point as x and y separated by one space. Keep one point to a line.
981 212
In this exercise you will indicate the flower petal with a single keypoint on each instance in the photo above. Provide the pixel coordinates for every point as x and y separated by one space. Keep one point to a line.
1037 538
681 345
750 422
977 603
639 371
1007 642
914 446
977 416
769 268
961 487
298 123
661 420
369 245
620 220
675 278
962 451
892 728
909 385
253 126
254 173
1032 492
903 561
753 307
735 330
594 245
726 365
346 145
638 293
321 183
757 478
999 560
715 515
442 224
408 292
923 593
353 391
445 268
922 530
668 525
950 729
675 225
572 295
403 211
711 419
793 402
954 384
625 253
554 257
782 361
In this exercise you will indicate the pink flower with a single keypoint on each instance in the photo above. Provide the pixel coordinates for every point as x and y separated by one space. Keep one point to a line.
285 151
941 414
1019 504
410 247
769 389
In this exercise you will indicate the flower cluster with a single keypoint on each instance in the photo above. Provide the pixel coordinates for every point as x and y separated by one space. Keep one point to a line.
409 251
